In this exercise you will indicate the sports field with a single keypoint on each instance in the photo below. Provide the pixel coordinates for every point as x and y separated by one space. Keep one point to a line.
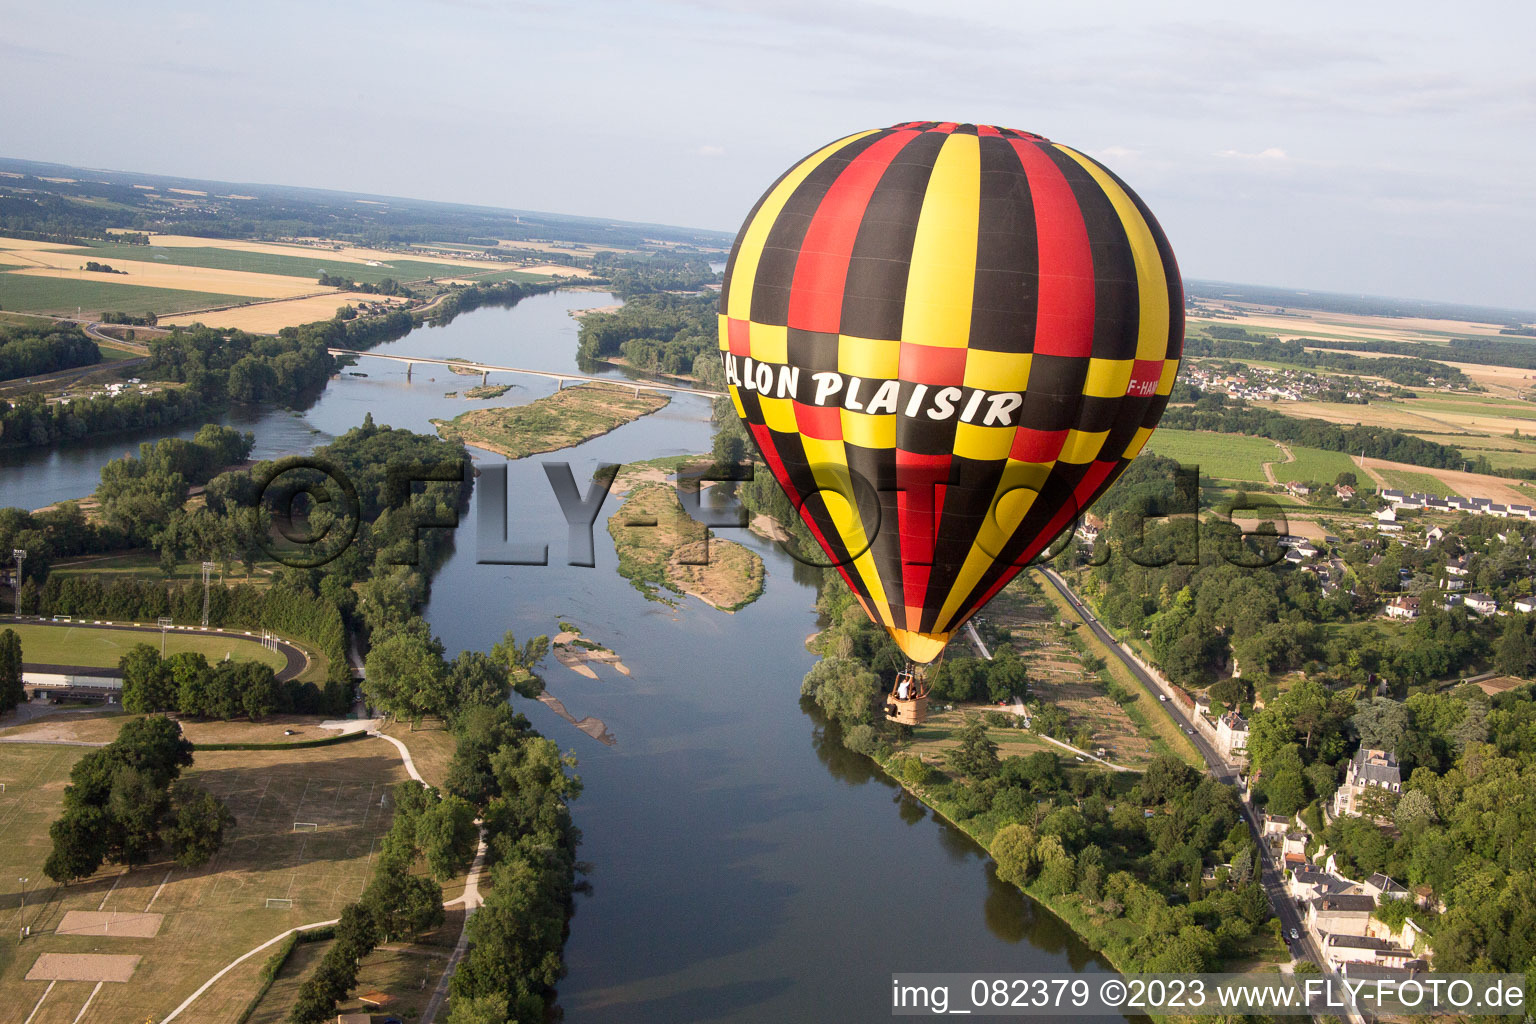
78 645
268 878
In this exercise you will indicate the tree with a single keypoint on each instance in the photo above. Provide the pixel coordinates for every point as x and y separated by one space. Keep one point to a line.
147 683
1013 848
476 679
490 1009
403 904
79 844
446 835
405 676
198 831
12 692
520 661
1382 723
844 688
976 756
1007 677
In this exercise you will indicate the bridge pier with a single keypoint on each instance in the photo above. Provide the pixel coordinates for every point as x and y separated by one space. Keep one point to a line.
484 376
408 367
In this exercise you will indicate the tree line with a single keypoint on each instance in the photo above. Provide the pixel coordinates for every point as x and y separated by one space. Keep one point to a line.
1215 412
1237 343
46 348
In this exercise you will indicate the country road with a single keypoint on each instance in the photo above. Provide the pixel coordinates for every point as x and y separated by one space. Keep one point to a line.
1274 882
1269 467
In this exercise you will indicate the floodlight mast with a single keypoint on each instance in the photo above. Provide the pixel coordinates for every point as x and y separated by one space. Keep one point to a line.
164 622
208 568
20 555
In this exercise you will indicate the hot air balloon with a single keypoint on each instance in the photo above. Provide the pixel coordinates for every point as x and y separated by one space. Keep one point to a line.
946 341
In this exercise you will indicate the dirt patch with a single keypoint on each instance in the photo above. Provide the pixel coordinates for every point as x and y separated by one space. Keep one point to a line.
83 967
110 922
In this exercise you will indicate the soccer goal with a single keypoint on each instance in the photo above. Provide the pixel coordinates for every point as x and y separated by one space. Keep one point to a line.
274 903
305 826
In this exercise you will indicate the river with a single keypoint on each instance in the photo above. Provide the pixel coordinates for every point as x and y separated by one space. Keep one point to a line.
744 866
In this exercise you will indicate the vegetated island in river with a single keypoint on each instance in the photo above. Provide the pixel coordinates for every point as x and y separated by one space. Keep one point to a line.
661 547
567 417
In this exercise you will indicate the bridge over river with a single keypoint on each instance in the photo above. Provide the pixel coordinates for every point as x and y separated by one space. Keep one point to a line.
486 369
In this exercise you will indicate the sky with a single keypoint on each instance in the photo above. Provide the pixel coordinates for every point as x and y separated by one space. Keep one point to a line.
1362 147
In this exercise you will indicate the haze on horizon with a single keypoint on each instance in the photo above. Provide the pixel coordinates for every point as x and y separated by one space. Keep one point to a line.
1329 147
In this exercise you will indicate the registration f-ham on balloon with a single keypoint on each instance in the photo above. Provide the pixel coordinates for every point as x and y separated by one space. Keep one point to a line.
946 342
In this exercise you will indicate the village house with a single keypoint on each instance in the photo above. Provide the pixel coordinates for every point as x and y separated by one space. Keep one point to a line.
1232 733
1308 883
1339 915
1380 885
1525 605
1340 948
1405 607
1344 492
1386 515
1483 604
1368 769
1433 537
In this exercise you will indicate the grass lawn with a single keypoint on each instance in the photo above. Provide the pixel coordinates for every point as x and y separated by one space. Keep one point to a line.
213 914
82 645
62 295
307 267
431 746
1223 456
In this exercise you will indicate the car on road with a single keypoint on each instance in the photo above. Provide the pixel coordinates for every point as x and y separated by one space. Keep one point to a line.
1294 935
1163 697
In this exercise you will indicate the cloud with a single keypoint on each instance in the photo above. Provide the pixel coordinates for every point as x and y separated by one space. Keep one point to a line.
709 150
1118 153
1274 153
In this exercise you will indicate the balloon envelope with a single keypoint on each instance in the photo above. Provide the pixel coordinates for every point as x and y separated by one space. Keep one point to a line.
946 341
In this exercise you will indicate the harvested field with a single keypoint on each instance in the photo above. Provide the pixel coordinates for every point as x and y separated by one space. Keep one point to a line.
66 265
110 922
1499 489
271 317
23 243
83 967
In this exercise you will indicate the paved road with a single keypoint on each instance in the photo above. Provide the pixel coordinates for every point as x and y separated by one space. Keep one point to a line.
1274 884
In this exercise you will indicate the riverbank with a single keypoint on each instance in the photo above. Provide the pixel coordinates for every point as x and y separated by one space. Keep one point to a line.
1066 909
568 417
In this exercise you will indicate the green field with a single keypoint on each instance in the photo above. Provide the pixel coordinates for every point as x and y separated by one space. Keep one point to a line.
62 295
505 275
1404 480
1315 464
79 645
1222 456
214 258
